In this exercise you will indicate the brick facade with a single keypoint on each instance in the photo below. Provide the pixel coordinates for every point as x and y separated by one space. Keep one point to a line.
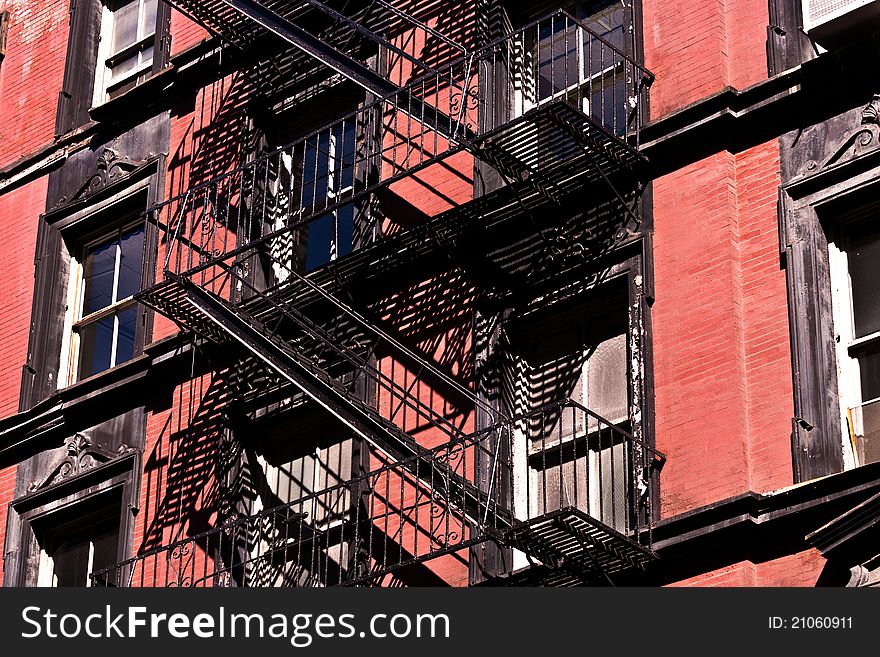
722 368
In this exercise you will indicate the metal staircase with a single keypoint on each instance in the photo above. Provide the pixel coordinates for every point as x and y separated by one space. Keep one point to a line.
311 376
232 275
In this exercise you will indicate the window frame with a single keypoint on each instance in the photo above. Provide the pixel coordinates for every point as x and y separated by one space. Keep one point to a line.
832 193
103 217
37 511
526 486
850 348
114 309
106 88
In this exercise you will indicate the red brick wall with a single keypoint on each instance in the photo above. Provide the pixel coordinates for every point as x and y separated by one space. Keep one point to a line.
31 74
184 33
19 214
721 344
800 569
697 47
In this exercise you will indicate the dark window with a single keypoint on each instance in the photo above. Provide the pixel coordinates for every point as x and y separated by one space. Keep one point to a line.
79 541
576 66
328 173
76 555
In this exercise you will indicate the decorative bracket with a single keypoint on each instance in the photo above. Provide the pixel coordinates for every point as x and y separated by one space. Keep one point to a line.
110 169
81 456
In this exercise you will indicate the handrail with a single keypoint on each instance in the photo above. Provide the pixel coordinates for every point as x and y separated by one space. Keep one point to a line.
640 531
412 85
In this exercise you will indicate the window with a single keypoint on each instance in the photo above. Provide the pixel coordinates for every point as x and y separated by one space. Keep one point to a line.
328 174
855 275
575 66
77 544
107 276
572 378
127 47
315 174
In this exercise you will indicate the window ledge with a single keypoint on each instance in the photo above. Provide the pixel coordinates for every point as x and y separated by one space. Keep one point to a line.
139 99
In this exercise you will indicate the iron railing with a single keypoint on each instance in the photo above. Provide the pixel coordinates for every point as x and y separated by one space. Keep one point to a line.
561 459
338 342
565 90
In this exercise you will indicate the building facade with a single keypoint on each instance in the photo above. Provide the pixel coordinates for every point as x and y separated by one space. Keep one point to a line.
406 293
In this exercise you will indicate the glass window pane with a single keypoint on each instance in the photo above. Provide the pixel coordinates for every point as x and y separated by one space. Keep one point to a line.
71 557
99 269
96 344
319 233
125 25
127 332
558 63
130 263
608 24
344 229
607 389
105 537
864 271
123 68
869 371
869 439
348 154
557 485
146 57
148 24
609 482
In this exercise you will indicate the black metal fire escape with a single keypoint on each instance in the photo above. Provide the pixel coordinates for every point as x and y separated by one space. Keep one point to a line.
559 140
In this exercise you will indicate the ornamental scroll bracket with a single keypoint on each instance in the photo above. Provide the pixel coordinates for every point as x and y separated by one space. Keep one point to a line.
110 168
81 456
863 138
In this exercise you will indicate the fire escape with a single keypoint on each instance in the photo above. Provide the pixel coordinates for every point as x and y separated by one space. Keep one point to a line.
567 122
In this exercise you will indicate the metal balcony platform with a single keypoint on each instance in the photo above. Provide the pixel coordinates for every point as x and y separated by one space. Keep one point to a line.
557 149
169 299
577 546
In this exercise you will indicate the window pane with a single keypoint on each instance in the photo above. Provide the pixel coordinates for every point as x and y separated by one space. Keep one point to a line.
72 551
105 537
344 229
345 155
869 439
608 24
131 263
607 389
869 371
320 232
71 557
98 272
557 485
124 68
125 25
609 482
148 25
315 170
608 105
146 56
558 62
127 332
864 271
96 344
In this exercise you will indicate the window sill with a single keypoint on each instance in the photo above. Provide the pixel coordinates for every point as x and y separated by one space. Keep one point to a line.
137 100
